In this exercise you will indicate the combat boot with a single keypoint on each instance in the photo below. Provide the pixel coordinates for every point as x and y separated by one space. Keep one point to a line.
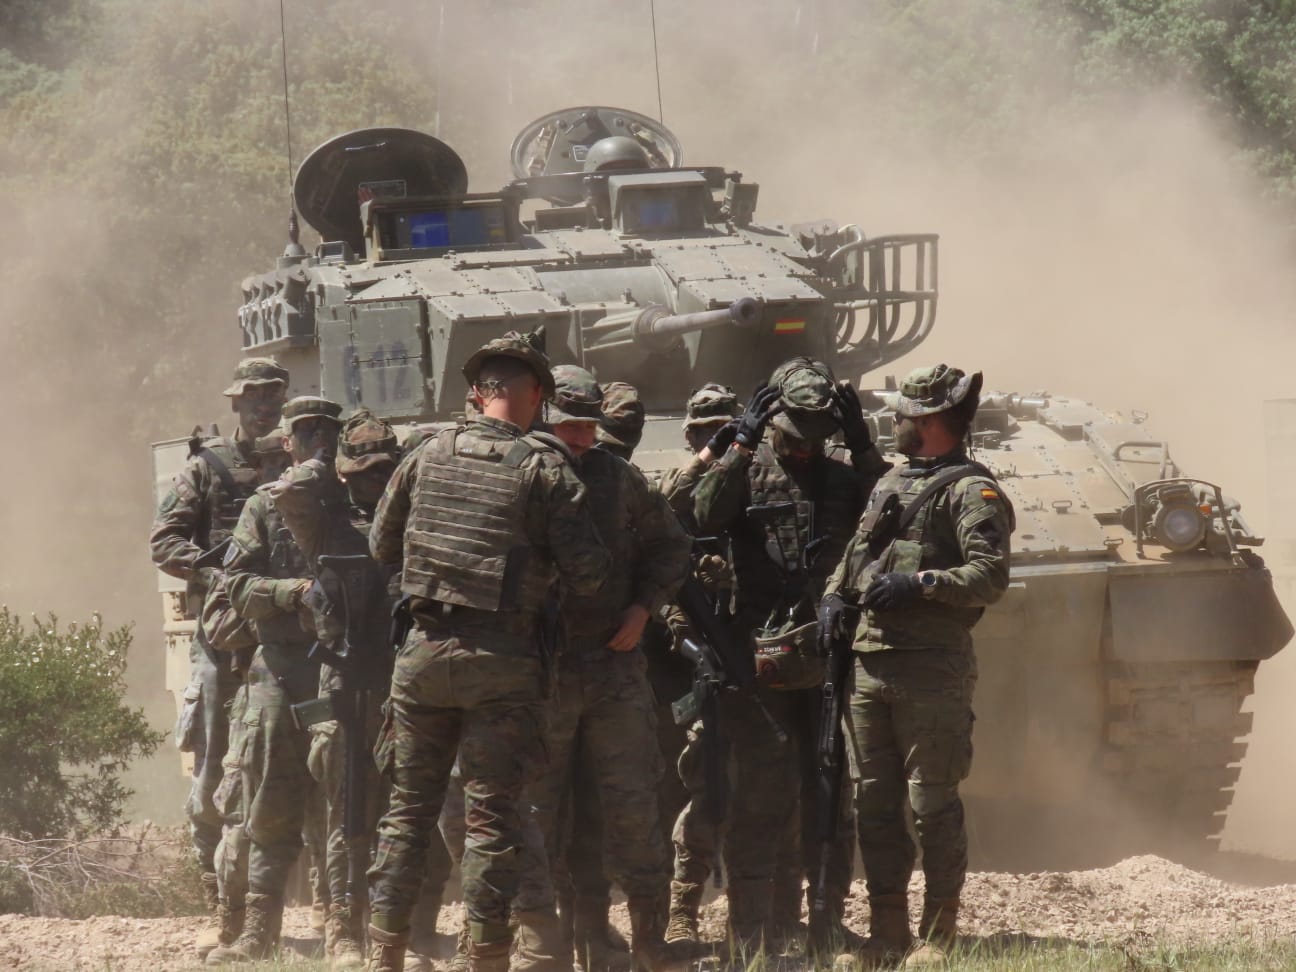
343 932
599 948
648 949
889 936
682 925
386 950
209 937
539 943
490 956
459 962
937 929
749 911
260 935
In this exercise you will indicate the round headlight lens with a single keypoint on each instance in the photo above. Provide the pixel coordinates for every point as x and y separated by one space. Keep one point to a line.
1179 527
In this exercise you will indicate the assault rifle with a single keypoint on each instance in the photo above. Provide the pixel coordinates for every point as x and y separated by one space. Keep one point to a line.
351 591
721 663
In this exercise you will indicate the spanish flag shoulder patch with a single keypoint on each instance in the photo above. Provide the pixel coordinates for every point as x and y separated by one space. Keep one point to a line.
989 494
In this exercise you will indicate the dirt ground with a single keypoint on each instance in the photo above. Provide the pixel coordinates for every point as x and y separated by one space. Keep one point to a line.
1131 904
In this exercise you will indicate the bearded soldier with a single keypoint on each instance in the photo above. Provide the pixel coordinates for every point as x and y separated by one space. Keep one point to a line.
482 518
931 553
196 516
267 576
604 719
789 507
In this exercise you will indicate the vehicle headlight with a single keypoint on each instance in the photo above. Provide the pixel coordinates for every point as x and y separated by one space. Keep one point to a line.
1179 527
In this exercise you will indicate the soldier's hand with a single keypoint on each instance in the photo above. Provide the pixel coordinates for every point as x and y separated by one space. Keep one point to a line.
889 591
723 439
849 412
764 405
633 621
835 614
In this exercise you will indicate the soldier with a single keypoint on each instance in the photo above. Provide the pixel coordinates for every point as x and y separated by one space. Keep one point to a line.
604 714
483 518
789 508
709 427
195 516
267 576
909 604
622 422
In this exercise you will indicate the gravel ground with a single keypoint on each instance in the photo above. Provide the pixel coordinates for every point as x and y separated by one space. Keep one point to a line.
1138 902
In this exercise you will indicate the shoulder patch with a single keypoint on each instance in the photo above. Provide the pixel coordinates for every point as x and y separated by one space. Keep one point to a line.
989 494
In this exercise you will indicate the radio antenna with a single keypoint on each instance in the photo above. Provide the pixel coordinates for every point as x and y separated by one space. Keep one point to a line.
283 47
652 12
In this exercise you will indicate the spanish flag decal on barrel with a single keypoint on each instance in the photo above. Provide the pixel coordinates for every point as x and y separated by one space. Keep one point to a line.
789 325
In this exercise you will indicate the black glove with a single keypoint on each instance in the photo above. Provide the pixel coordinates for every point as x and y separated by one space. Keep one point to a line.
850 416
889 591
834 617
723 439
764 405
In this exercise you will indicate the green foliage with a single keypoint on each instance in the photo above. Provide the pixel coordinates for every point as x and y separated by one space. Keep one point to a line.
65 734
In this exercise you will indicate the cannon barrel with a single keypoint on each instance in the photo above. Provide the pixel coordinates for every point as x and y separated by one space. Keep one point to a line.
659 329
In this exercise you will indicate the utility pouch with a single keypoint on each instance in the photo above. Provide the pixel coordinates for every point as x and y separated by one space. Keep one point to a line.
686 710
313 711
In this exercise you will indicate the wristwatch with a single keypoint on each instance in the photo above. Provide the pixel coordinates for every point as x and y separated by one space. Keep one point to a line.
928 579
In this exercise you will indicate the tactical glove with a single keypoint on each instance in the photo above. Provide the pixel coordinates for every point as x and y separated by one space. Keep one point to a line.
850 416
764 405
835 615
890 591
722 439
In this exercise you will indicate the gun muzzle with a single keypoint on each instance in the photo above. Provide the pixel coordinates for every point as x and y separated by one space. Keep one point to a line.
659 330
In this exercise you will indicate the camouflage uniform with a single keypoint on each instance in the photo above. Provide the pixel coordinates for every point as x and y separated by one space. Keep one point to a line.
267 574
604 719
915 668
826 493
483 518
196 515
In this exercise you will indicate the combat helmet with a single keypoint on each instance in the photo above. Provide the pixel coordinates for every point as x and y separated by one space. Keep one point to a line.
806 392
710 405
527 348
366 441
927 391
577 396
256 371
623 416
616 152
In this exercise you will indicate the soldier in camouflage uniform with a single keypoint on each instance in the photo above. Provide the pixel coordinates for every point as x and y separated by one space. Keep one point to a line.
622 423
267 576
910 610
483 519
604 719
195 516
789 508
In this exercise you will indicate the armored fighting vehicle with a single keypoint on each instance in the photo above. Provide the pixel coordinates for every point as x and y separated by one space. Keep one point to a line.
1113 673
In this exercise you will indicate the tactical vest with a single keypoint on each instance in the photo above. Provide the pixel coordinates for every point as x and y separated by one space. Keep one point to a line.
466 542
285 562
604 478
918 547
233 480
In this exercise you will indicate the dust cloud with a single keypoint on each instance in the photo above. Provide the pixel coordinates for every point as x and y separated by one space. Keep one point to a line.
1114 249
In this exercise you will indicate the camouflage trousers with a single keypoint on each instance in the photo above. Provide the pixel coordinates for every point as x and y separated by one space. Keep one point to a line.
912 714
327 765
231 852
203 729
279 797
770 837
603 724
453 698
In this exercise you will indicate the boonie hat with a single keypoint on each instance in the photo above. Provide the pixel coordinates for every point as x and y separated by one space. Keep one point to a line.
527 348
926 391
710 405
623 415
577 396
256 371
366 441
806 390
308 407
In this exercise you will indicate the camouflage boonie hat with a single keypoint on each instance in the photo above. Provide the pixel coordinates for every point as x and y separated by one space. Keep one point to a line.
926 391
806 389
527 348
577 396
308 407
711 404
623 415
256 371
366 441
